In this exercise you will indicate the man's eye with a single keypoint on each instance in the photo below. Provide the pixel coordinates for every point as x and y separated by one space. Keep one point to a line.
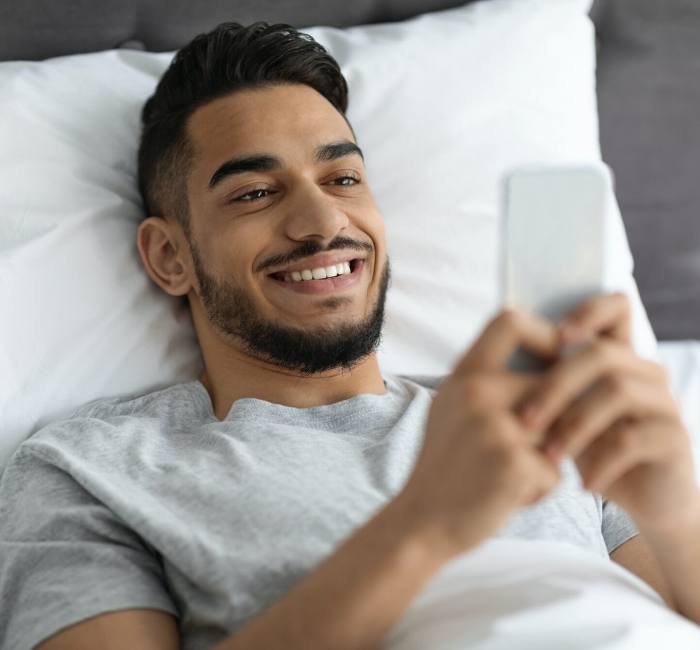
341 180
252 195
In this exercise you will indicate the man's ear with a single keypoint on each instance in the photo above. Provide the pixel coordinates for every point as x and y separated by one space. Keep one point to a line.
163 249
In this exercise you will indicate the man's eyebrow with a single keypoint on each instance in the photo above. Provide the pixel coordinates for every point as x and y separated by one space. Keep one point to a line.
262 163
265 162
335 150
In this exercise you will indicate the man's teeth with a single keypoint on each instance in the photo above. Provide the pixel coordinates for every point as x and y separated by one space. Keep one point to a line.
318 274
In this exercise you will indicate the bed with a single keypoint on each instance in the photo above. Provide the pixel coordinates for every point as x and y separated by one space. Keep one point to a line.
444 97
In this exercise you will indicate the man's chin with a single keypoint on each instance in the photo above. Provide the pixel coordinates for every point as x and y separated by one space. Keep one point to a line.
310 352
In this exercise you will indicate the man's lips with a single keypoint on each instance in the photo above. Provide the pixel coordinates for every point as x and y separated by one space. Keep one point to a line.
327 285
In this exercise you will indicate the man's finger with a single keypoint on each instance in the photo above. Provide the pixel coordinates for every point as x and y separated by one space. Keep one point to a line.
495 390
570 377
597 410
625 445
506 332
607 314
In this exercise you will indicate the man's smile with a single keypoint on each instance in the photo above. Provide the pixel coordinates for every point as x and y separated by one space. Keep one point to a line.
340 282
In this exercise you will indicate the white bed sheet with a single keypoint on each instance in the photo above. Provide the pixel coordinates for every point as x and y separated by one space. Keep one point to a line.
531 595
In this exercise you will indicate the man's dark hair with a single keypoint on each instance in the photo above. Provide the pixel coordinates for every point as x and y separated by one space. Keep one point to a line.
230 57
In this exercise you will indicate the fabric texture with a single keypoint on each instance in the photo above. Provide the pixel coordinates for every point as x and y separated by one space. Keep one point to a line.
151 501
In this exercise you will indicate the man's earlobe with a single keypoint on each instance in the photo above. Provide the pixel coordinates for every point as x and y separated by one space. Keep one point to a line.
161 255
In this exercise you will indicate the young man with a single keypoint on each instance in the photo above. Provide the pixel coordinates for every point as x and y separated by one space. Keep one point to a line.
293 496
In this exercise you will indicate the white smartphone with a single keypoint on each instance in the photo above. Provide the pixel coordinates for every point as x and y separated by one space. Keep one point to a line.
552 241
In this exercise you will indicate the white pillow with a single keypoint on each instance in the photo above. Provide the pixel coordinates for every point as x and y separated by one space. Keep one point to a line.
441 104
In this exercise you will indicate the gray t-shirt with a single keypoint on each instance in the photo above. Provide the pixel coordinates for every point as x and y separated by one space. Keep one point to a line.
149 501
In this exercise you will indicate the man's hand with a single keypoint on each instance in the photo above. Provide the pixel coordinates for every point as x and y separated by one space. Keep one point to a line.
478 463
615 415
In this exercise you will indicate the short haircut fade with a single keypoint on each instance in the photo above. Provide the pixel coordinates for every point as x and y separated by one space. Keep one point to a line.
230 57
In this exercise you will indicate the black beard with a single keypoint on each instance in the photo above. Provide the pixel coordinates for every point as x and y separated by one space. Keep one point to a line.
305 351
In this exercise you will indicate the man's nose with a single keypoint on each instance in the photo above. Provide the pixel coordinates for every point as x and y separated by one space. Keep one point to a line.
313 213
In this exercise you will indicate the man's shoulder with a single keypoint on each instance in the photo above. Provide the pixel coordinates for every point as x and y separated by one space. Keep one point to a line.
100 420
103 432
144 402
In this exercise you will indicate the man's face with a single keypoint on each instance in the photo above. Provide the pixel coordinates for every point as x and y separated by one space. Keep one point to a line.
276 182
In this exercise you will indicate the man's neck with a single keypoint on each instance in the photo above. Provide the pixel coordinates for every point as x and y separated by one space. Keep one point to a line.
230 378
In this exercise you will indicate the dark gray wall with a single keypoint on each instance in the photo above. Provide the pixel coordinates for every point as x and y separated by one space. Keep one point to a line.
38 29
649 101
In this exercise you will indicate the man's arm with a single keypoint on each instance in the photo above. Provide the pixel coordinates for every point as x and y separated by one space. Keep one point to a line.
669 561
145 629
636 556
677 553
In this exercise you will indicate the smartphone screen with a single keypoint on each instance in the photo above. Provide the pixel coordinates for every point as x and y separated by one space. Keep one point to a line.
552 238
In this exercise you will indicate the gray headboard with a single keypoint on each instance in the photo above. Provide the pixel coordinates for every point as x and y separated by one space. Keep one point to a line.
649 100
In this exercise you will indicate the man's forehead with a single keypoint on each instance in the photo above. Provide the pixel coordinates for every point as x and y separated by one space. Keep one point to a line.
265 119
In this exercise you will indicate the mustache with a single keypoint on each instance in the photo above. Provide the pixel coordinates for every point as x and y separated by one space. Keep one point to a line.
309 248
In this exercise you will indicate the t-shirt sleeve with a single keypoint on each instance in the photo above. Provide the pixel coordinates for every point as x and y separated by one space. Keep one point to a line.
617 525
64 556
